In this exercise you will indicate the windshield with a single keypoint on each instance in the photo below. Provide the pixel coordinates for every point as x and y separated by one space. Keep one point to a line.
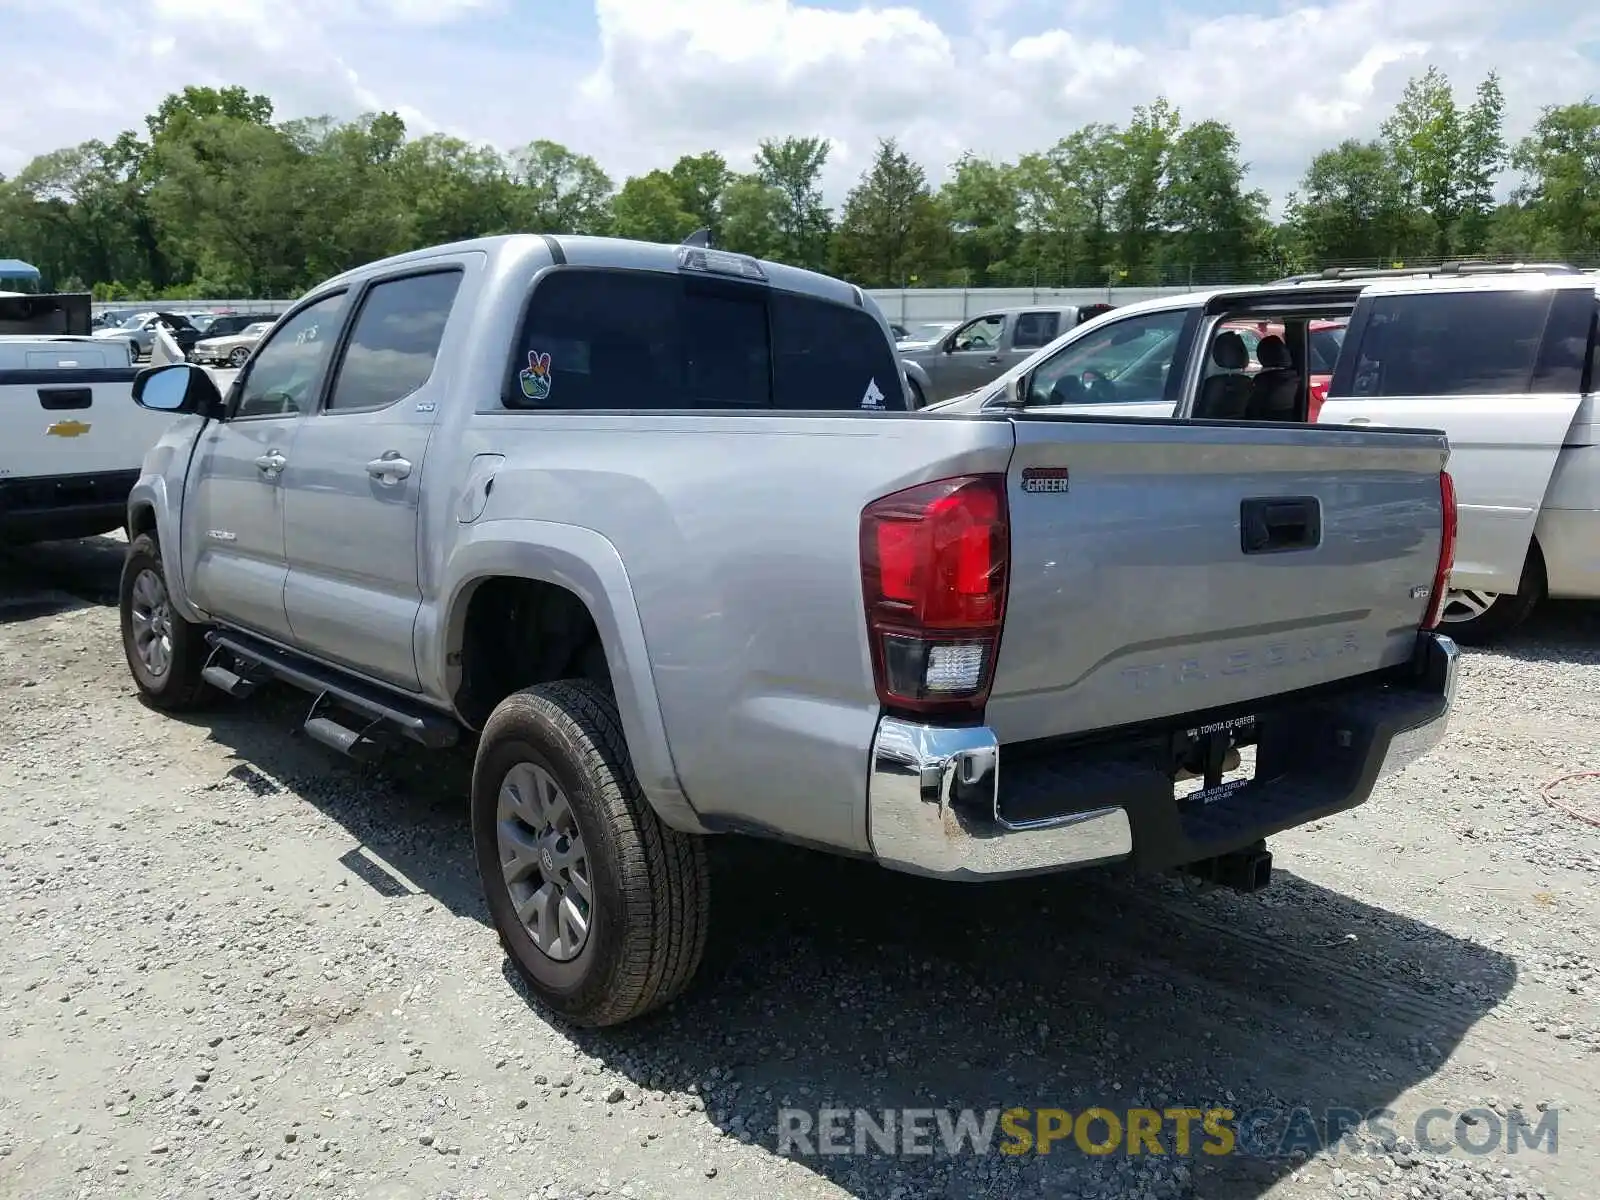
256 330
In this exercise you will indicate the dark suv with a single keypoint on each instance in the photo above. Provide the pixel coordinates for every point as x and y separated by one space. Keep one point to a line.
228 324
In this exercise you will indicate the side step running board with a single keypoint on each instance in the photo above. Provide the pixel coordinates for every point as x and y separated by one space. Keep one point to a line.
233 683
334 691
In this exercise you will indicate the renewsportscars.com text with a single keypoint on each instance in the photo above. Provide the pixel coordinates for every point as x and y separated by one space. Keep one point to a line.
1179 1132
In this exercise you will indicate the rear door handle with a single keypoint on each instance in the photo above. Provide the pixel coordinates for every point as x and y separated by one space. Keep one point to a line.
271 463
389 468
1360 421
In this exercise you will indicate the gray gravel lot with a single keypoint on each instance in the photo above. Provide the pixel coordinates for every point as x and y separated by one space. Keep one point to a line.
232 965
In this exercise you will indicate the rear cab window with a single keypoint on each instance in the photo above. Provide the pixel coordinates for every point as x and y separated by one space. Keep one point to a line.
596 339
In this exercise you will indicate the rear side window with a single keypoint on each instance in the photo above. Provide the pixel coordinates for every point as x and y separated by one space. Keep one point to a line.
600 340
1035 329
1450 344
395 341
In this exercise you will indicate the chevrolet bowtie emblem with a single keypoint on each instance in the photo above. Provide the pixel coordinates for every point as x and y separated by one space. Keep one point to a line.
67 428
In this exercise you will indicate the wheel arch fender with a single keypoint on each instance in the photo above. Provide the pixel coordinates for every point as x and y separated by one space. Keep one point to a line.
587 564
915 374
149 512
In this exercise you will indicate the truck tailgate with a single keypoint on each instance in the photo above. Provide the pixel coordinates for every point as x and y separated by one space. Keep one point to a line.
1165 568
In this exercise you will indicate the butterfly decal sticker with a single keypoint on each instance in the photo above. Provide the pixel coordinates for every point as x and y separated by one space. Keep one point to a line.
535 377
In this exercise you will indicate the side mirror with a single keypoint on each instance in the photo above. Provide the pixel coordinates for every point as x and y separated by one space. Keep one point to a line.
177 388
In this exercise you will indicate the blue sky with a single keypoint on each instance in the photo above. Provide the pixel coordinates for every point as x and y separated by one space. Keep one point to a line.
637 82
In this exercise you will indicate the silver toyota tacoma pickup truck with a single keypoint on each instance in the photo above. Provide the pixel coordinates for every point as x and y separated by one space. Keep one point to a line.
656 527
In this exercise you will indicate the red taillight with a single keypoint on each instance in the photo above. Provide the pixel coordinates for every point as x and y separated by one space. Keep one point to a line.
1447 552
933 570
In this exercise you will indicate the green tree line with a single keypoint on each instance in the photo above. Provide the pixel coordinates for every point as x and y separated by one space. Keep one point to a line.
217 198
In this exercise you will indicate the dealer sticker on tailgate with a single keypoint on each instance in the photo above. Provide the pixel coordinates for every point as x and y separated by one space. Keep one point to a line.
1044 479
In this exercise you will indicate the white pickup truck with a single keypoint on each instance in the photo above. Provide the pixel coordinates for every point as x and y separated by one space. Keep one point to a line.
71 437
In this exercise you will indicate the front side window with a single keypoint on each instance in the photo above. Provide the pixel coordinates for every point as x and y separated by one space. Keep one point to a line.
982 334
1125 361
394 341
1476 343
287 371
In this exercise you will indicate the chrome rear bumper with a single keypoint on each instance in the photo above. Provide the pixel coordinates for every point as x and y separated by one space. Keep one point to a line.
933 793
915 824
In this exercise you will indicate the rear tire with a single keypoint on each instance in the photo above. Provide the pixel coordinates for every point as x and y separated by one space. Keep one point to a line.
1505 611
165 652
557 811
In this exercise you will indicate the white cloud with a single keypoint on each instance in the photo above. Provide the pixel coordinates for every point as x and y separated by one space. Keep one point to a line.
666 77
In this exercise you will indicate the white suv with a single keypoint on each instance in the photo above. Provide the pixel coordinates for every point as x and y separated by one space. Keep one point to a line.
1503 359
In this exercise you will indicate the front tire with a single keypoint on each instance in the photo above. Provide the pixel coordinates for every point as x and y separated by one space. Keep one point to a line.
165 652
602 908
914 393
236 357
1477 618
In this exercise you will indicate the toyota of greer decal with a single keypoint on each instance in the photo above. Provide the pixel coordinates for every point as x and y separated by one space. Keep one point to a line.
1044 479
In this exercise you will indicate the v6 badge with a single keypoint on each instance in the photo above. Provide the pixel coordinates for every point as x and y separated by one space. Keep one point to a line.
1044 479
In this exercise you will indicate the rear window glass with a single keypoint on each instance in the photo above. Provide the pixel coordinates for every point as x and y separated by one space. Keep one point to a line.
826 356
1450 344
637 340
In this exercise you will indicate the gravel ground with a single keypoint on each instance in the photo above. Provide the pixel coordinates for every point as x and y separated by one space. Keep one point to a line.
234 966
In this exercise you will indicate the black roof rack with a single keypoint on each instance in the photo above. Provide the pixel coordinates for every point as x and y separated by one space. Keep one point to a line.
1447 268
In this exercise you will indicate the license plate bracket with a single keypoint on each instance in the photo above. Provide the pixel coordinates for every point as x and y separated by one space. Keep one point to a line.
1212 761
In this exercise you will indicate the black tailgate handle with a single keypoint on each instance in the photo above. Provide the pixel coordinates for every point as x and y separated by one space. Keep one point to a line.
1274 524
65 399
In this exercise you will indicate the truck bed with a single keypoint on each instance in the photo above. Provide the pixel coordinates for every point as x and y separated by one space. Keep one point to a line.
1130 597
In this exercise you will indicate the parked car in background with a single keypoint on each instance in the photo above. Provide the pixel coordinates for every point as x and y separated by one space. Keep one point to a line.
460 491
224 324
138 329
923 331
986 346
1506 361
71 437
231 348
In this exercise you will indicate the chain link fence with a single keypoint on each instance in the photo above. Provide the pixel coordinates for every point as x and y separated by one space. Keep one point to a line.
933 304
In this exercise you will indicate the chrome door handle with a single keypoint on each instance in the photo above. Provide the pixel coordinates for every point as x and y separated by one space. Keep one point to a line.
389 469
271 463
